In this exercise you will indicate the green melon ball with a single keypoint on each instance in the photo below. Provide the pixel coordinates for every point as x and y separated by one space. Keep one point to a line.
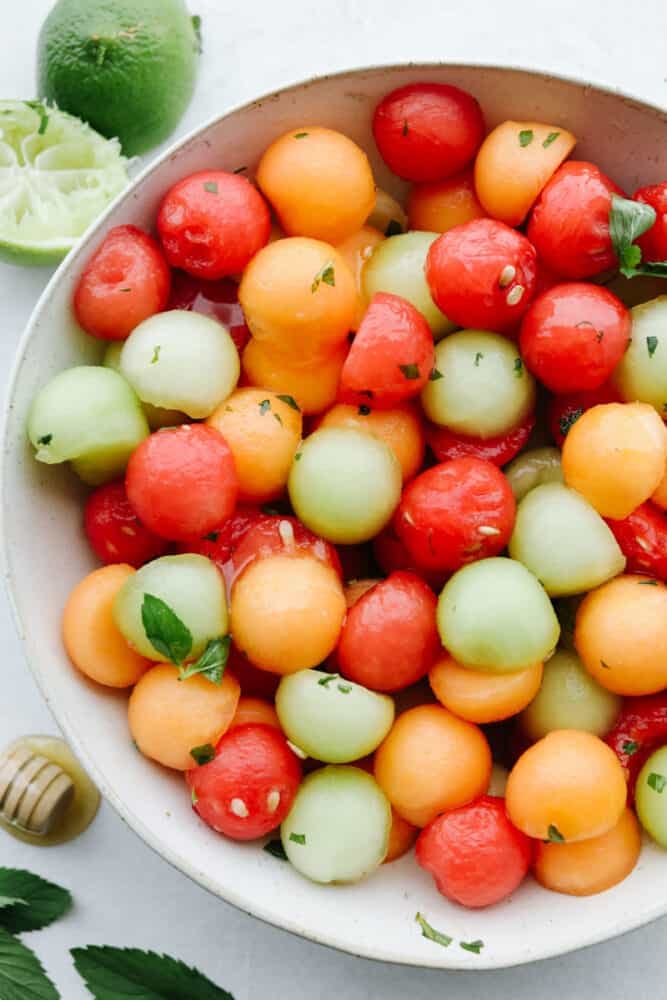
494 615
641 374
564 541
338 827
651 796
181 360
191 587
344 485
485 388
156 416
533 468
569 698
330 718
88 416
397 266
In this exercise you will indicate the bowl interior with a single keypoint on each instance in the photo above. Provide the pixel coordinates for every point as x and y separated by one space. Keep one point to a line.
46 554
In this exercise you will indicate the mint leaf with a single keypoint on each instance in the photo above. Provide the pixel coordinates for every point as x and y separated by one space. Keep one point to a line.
300 135
630 747
651 345
627 221
549 139
212 662
554 834
203 754
10 901
196 24
430 932
165 630
275 848
211 187
325 274
474 946
115 973
435 375
657 782
290 400
22 976
410 371
38 902
526 136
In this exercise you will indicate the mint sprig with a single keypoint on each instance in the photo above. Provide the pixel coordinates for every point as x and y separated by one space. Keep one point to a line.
212 662
111 973
164 629
628 220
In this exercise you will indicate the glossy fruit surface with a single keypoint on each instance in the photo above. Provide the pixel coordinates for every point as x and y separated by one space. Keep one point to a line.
389 639
248 788
436 206
400 428
642 538
533 468
427 131
115 532
474 853
649 796
653 243
446 443
567 787
479 696
642 372
313 386
212 223
344 485
182 481
431 761
125 281
518 627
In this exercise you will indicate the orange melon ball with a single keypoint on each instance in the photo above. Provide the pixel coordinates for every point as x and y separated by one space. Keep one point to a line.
313 386
615 455
660 495
568 786
514 163
620 635
590 866
263 432
400 428
432 761
437 206
402 836
355 251
92 639
168 718
482 697
255 710
319 183
300 299
287 612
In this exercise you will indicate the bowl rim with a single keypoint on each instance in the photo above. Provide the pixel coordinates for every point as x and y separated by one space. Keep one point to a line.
551 949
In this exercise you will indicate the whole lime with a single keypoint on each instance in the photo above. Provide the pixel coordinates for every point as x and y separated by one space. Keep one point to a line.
127 67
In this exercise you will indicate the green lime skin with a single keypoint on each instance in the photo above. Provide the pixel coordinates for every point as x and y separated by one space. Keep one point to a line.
128 67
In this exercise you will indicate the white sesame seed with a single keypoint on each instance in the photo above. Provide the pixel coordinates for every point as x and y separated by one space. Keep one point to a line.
127 530
515 295
408 518
273 800
297 750
486 529
642 544
239 808
507 274
286 532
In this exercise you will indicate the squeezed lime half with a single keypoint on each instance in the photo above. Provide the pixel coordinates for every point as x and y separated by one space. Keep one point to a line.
56 176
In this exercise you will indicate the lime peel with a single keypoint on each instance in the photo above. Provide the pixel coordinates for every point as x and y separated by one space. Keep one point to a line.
56 176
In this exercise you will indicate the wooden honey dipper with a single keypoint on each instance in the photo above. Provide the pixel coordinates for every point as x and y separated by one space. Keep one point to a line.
34 792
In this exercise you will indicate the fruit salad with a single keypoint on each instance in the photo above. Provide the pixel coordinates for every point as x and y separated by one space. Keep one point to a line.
378 492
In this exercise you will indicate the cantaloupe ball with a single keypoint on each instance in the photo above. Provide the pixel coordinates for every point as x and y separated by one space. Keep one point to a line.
287 612
621 635
400 428
255 710
432 761
437 206
479 696
567 787
319 183
590 866
355 251
615 455
263 431
313 386
169 718
300 299
92 639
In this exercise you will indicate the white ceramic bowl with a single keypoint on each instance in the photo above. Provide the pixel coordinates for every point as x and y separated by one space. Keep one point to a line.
46 554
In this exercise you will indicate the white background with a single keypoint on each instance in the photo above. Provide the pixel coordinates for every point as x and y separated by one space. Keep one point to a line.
125 895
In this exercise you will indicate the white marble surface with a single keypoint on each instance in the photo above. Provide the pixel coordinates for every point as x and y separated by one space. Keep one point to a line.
125 895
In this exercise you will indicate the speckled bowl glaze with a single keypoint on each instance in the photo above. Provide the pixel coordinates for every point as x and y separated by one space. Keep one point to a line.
45 554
